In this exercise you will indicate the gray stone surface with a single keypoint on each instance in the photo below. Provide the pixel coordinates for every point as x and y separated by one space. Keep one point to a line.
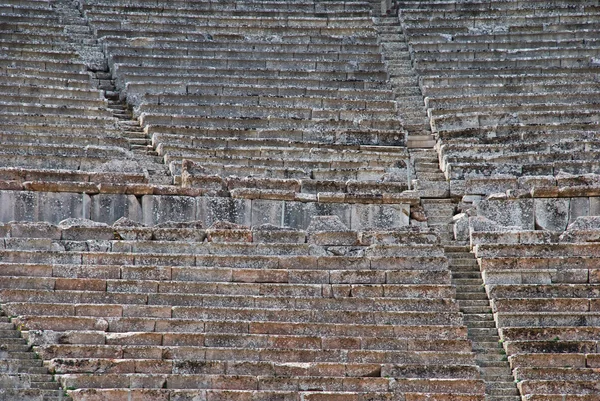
162 208
518 212
551 214
108 208
51 207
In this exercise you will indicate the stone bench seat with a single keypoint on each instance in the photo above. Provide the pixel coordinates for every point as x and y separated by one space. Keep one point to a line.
285 45
318 79
7 107
230 5
329 383
133 30
55 133
137 92
227 23
78 327
270 109
50 102
280 369
62 76
39 54
22 134
416 389
550 304
231 395
477 45
48 160
28 47
21 175
478 38
538 351
205 98
461 30
552 390
272 63
57 120
218 315
35 38
569 98
257 354
526 151
539 291
477 10
349 139
465 71
496 87
247 53
243 139
184 253
260 288
365 132
551 133
191 277
24 82
457 121
118 292
28 91
477 56
254 8
266 167
50 65
552 319
322 155
63 150
320 174
516 21
107 12
524 64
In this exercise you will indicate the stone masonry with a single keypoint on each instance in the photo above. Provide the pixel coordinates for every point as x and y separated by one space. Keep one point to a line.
301 200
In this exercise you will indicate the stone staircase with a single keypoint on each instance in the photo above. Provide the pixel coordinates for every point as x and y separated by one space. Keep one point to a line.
479 319
86 43
404 80
23 376
470 291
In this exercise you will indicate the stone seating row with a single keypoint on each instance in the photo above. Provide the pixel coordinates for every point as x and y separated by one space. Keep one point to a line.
483 5
346 36
492 71
52 115
543 292
255 6
103 336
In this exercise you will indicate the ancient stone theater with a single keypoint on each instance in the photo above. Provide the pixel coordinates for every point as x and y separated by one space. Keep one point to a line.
299 200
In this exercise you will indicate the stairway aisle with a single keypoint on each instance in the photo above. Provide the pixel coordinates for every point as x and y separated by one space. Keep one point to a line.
91 51
475 306
404 81
23 370
470 292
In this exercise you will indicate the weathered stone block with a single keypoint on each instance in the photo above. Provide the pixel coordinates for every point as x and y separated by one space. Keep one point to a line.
210 210
517 212
161 208
33 230
267 212
51 207
551 214
108 208
379 216
274 234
